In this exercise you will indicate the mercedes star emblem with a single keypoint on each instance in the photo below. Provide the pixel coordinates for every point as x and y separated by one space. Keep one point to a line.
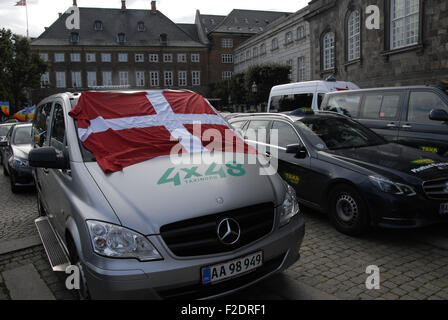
228 231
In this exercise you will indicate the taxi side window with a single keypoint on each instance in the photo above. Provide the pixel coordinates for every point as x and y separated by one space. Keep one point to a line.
257 130
421 104
57 139
282 134
41 124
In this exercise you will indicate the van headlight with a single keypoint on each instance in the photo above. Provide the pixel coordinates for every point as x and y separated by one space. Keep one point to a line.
388 186
117 242
290 206
19 162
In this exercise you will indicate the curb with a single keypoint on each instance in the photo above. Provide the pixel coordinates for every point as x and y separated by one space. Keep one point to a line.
19 244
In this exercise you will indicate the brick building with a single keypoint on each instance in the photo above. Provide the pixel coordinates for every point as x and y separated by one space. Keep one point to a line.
409 48
139 49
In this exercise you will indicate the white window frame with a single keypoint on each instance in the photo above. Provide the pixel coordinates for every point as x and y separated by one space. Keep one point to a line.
182 58
139 78
59 57
139 57
45 80
123 78
76 79
196 78
168 78
90 57
328 53
122 57
182 78
153 58
75 57
44 56
106 57
226 43
154 79
195 57
227 75
61 81
402 25
167 57
107 78
274 44
301 69
227 58
91 79
300 32
354 36
288 37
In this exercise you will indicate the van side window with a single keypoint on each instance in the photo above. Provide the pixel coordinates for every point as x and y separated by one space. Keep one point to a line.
58 128
257 130
381 107
345 104
291 102
285 134
421 104
41 123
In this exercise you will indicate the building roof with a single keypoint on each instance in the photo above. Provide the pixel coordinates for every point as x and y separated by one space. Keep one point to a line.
210 22
117 21
244 21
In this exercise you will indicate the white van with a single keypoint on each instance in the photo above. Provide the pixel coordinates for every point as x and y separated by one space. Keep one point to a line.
308 94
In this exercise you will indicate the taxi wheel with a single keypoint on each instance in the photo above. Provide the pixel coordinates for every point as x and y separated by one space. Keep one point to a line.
83 291
12 180
348 212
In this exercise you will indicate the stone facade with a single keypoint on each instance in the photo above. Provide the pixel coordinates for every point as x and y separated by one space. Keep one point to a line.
424 60
293 49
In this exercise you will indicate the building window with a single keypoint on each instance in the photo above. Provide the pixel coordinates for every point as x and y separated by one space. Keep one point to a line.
98 25
167 57
45 80
59 57
76 79
195 57
196 78
300 32
60 80
301 69
123 57
288 37
139 57
91 79
75 57
140 78
182 77
242 57
255 52
90 57
404 24
153 57
168 78
328 51
227 58
74 37
106 57
289 64
274 44
354 36
181 57
107 78
227 75
262 49
227 43
121 38
154 78
44 56
141 26
124 78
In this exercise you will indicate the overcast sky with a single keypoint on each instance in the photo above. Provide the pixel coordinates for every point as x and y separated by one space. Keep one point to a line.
42 13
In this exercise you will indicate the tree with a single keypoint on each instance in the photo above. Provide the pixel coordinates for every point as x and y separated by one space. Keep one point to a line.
265 77
21 69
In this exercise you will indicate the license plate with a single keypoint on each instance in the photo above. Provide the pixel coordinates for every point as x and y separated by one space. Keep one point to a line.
444 209
231 269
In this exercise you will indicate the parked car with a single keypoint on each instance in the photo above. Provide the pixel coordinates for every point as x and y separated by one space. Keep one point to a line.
17 145
307 94
338 166
181 232
413 116
4 128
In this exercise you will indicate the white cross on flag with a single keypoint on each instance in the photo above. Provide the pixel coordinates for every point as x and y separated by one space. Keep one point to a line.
122 129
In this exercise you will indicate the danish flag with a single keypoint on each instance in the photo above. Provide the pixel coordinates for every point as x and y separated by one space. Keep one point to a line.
20 3
122 129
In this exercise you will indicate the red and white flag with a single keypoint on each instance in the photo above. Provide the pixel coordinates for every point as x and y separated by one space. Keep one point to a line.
122 129
21 3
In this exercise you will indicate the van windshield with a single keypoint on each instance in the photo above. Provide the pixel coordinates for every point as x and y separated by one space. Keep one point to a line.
291 102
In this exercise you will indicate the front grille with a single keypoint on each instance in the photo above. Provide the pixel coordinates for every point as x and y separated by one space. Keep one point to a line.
201 291
198 236
436 189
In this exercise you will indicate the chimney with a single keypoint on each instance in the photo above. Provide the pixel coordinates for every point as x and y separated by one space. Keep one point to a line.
123 5
153 6
74 3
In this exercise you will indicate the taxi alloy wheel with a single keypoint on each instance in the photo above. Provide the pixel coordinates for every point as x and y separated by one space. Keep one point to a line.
348 212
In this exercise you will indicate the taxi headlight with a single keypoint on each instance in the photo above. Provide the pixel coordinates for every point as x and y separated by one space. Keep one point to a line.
290 206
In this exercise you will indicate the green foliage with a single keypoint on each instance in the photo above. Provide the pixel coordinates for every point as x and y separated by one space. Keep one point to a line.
20 68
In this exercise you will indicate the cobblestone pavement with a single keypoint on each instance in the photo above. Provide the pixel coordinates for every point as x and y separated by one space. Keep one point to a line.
410 266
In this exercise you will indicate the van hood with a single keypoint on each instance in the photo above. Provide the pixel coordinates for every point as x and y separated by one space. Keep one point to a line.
156 192
21 150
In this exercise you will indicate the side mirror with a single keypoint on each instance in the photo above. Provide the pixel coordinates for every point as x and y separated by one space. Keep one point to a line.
48 158
297 149
438 115
3 143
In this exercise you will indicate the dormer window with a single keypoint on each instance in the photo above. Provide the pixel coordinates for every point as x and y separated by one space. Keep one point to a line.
141 26
74 37
163 39
121 38
98 25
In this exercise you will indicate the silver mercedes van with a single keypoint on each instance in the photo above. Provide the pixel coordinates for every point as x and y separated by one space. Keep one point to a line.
133 237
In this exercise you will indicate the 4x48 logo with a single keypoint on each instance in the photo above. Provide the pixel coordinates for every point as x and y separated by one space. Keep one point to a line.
191 175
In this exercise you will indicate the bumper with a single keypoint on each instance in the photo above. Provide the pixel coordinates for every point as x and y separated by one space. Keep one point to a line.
181 277
23 176
390 211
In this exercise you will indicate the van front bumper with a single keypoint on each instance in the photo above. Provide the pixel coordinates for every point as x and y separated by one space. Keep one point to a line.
176 277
